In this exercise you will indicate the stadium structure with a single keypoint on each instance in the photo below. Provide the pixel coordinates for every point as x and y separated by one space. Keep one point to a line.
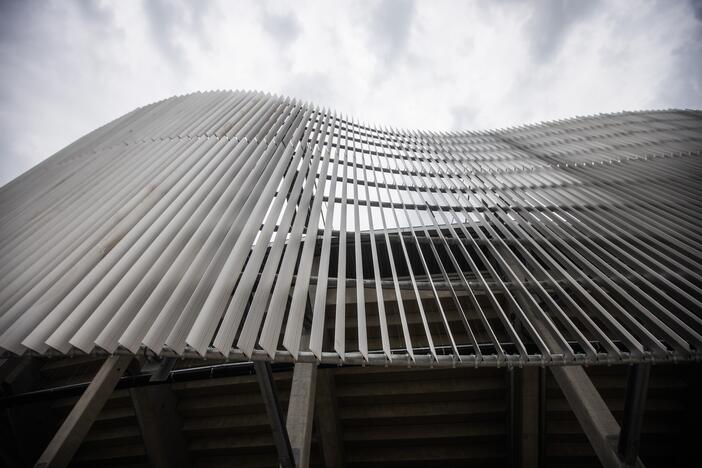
242 279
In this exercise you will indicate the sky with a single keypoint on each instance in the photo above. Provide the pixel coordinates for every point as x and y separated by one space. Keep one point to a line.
68 67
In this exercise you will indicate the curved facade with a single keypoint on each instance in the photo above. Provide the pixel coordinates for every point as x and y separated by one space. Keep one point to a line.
255 226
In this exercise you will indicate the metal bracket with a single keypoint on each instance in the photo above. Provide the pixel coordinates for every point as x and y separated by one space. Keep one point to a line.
159 369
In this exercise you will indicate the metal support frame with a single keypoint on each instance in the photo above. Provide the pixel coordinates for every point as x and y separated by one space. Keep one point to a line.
77 424
264 375
160 369
630 434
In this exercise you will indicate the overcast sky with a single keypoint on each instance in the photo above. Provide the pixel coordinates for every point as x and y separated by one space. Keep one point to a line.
68 67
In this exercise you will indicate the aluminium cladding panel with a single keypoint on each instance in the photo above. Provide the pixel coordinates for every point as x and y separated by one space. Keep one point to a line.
203 224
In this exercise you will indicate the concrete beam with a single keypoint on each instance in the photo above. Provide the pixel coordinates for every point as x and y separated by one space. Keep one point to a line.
264 376
21 374
597 421
593 414
155 407
600 426
77 424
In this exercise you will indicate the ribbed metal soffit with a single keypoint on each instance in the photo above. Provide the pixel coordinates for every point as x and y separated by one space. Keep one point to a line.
255 226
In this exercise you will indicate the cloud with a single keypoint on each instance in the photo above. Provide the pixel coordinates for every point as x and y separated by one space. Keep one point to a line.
391 22
14 14
95 11
164 17
282 26
550 23
68 67
687 79
173 23
463 117
697 8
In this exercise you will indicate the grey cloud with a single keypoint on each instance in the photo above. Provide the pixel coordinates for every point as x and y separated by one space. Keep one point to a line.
463 117
94 11
162 18
198 13
551 22
696 6
284 28
60 75
169 21
312 87
11 13
390 28
685 89
24 47
11 164
17 19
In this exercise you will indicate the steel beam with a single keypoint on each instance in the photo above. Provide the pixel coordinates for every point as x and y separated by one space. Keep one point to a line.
159 369
77 424
275 415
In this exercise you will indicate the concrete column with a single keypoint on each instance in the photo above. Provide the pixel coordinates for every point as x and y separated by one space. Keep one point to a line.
529 417
155 407
300 417
301 412
328 423
77 424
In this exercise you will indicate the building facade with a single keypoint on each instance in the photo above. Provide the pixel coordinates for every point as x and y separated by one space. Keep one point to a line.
223 229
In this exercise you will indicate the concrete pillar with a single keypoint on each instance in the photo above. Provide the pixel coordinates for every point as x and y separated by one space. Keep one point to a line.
77 424
529 417
301 411
155 407
328 422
